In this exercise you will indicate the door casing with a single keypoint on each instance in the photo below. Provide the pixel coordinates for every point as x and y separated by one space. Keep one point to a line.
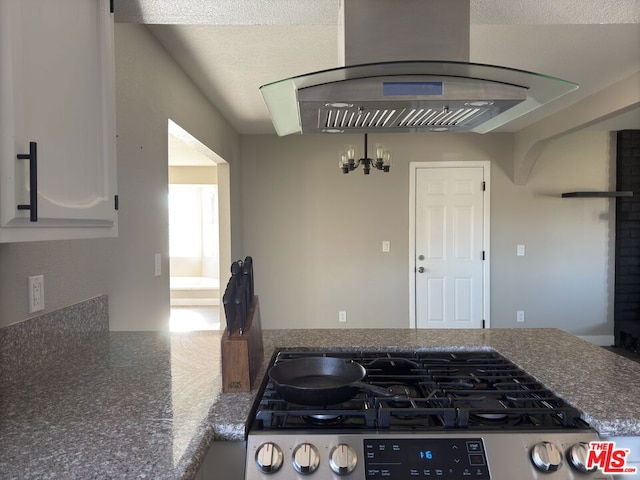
413 167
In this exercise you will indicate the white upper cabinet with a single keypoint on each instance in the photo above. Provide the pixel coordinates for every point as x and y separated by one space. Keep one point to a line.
57 82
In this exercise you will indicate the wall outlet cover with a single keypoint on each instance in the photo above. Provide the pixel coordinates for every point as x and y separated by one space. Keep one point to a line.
36 293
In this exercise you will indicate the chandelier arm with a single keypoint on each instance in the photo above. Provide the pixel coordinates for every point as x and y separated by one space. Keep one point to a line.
366 137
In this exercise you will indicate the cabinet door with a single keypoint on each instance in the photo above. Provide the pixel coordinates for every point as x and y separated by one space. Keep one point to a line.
57 89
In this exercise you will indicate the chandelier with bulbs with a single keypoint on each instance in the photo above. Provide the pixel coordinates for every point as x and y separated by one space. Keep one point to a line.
382 162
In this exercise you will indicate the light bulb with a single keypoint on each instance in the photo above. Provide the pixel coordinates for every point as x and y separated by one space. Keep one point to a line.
351 152
386 161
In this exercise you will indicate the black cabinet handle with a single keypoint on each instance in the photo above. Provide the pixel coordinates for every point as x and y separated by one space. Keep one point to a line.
32 156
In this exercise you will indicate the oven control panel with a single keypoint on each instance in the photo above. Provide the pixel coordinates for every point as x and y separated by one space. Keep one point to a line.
443 458
443 455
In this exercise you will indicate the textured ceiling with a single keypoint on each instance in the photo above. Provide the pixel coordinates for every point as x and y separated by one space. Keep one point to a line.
231 47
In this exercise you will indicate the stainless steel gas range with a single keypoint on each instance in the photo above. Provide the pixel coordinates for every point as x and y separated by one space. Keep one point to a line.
427 415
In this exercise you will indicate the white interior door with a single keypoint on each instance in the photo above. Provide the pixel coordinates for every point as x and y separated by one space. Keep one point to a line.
450 246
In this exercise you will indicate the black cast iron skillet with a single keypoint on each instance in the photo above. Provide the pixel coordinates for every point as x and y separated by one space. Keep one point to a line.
321 381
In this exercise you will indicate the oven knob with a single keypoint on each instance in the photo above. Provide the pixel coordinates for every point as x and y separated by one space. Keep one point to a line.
578 455
269 457
306 458
343 459
546 456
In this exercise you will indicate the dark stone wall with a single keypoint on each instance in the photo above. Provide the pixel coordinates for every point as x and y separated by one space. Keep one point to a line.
627 277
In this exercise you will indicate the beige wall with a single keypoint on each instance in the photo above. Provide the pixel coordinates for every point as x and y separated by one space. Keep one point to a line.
150 89
316 234
194 175
73 271
565 280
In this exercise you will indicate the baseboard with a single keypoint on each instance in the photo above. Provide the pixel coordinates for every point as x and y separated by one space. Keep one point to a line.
194 302
601 340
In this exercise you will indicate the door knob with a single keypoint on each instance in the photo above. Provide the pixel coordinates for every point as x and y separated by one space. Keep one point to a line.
420 269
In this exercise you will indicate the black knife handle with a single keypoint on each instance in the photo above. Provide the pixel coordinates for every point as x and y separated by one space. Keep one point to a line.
228 300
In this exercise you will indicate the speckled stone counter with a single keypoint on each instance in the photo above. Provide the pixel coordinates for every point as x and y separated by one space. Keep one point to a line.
122 406
149 405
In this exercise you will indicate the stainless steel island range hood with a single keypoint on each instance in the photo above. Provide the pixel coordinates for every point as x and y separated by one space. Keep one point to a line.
407 70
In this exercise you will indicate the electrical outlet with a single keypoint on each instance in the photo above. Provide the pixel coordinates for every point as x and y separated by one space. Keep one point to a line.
520 250
36 293
520 316
342 316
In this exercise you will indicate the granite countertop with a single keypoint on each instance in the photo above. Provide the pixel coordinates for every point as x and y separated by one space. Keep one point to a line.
148 404
124 405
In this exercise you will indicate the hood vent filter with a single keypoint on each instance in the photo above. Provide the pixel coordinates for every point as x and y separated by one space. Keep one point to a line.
337 120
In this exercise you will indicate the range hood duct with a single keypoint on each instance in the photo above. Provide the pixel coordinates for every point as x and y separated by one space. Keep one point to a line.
406 69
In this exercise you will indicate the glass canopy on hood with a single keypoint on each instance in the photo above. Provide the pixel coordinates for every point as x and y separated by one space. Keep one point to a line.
408 96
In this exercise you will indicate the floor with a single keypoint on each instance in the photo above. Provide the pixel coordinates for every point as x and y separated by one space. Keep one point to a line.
187 319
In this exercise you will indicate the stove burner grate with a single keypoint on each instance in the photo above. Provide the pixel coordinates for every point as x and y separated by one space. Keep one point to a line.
434 390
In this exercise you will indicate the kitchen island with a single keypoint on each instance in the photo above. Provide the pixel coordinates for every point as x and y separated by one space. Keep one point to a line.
150 404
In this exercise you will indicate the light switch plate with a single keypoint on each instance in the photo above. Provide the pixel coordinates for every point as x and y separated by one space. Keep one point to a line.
386 246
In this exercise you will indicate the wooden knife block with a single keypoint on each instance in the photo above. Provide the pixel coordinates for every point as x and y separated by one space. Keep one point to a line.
242 355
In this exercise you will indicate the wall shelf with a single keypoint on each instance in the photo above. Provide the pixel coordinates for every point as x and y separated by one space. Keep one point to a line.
597 194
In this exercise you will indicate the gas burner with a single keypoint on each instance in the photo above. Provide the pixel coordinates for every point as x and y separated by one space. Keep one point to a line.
398 365
490 411
323 420
480 419
460 383
467 384
403 393
491 416
403 389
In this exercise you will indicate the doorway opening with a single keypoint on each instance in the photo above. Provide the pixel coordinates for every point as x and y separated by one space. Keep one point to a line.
199 226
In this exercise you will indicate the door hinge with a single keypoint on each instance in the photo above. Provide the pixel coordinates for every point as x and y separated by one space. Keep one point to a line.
116 203
111 9
484 186
483 323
